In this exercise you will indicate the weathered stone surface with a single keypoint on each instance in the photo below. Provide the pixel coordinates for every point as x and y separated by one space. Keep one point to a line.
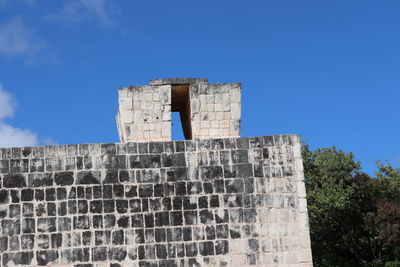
88 177
210 202
64 178
14 181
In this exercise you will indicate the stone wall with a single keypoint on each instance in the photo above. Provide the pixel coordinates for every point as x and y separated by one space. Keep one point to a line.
144 112
216 109
216 202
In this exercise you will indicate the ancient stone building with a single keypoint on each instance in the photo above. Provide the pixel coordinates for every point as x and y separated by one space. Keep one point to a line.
207 110
214 199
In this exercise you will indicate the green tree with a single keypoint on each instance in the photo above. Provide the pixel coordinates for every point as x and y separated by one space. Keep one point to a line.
354 219
383 222
328 175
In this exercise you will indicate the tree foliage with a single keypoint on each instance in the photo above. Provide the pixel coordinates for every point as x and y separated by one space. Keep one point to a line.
354 218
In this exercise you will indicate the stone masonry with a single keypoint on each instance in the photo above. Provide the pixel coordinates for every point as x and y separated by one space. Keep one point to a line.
144 113
226 201
216 202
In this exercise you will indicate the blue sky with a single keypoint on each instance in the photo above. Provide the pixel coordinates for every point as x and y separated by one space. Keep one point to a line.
328 70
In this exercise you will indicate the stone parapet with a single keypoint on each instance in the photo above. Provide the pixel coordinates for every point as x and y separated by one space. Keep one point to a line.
209 202
207 110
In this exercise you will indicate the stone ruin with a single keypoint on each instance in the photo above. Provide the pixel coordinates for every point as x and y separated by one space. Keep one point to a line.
207 110
214 199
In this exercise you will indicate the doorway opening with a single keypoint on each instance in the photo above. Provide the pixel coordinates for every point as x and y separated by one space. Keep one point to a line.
180 102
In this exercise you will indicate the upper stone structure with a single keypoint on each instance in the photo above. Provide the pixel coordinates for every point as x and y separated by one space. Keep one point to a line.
207 110
150 202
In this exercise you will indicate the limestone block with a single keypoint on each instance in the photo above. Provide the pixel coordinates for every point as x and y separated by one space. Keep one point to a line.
302 204
122 92
235 96
213 132
142 97
225 88
195 106
212 116
227 115
305 256
205 124
214 124
226 108
149 105
126 116
239 246
204 133
203 99
119 127
154 135
303 220
226 98
196 125
149 97
227 132
235 111
157 108
136 105
166 116
166 129
138 117
235 127
165 95
264 217
218 99
301 189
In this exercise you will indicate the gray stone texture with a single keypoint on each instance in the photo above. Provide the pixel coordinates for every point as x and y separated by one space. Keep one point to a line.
208 202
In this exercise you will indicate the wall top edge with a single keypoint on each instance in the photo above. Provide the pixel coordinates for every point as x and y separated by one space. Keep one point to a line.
196 144
162 83
178 81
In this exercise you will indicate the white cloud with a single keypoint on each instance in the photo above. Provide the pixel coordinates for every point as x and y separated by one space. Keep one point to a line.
7 104
77 10
11 136
17 39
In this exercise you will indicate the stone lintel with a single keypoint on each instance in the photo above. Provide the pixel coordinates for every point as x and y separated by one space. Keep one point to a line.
176 81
